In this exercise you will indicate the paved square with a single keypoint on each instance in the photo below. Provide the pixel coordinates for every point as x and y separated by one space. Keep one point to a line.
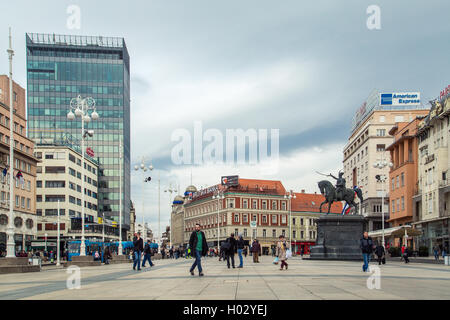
170 279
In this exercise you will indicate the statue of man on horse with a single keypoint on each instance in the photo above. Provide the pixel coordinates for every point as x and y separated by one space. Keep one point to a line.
339 193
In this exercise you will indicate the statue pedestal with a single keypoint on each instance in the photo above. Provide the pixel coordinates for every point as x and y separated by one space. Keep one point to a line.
338 237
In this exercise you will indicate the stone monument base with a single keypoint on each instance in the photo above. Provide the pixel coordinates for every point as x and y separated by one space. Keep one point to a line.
82 261
338 237
17 265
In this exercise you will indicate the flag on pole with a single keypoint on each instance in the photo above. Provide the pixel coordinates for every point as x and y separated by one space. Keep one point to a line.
19 176
346 209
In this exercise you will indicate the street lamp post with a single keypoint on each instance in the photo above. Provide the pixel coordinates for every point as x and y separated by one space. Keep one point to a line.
80 107
382 178
46 242
10 244
170 202
143 167
290 195
58 243
219 196
120 249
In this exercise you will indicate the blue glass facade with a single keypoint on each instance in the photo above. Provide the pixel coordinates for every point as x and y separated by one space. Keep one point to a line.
61 67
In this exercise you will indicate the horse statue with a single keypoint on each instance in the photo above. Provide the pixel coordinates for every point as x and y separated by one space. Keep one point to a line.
348 195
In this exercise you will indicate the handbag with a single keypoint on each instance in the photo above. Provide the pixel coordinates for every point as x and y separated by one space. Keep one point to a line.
275 261
288 253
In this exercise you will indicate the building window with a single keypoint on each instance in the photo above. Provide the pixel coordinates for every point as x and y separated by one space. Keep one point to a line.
283 206
245 204
393 206
264 219
381 147
381 132
274 219
301 222
302 234
274 205
403 179
245 232
245 218
17 201
294 235
264 205
236 217
283 219
274 233
254 204
264 233
283 232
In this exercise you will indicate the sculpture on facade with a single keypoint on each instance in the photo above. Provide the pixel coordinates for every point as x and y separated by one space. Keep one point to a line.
339 193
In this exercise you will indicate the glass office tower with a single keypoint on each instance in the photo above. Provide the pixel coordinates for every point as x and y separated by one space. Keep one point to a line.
61 67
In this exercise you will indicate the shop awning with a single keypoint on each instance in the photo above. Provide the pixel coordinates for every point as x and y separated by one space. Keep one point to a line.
396 232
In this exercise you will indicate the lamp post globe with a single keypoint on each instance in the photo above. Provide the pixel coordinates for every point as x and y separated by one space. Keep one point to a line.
79 112
94 115
70 115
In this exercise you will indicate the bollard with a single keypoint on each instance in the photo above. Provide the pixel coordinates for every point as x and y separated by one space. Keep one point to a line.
446 260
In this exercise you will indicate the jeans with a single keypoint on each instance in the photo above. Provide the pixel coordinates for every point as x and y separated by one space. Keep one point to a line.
197 263
241 262
366 257
137 260
147 256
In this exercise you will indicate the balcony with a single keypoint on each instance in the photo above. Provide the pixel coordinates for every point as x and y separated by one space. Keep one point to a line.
429 158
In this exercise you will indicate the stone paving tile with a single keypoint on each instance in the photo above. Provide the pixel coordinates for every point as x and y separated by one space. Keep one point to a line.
170 279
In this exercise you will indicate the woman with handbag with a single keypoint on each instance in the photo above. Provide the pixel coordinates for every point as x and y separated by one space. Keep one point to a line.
282 248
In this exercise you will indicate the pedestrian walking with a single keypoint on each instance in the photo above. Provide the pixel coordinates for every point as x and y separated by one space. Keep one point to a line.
436 252
240 244
148 254
302 251
255 251
230 249
405 252
282 248
366 245
137 249
198 243
379 251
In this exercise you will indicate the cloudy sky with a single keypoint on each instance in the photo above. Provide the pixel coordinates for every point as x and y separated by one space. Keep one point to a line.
302 67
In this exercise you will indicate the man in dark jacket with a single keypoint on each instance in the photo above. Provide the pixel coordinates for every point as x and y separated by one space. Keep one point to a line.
255 251
379 251
147 254
230 250
199 247
366 245
137 249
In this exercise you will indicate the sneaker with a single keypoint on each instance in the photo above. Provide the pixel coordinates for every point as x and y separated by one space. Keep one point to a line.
201 274
240 267
192 273
233 267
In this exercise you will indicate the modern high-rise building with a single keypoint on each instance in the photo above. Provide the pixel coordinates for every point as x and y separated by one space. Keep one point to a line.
367 144
61 67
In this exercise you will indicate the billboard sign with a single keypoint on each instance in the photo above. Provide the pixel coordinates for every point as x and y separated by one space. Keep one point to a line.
90 152
400 99
230 181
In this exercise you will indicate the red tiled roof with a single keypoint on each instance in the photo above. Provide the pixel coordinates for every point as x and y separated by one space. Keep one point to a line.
311 202
263 186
